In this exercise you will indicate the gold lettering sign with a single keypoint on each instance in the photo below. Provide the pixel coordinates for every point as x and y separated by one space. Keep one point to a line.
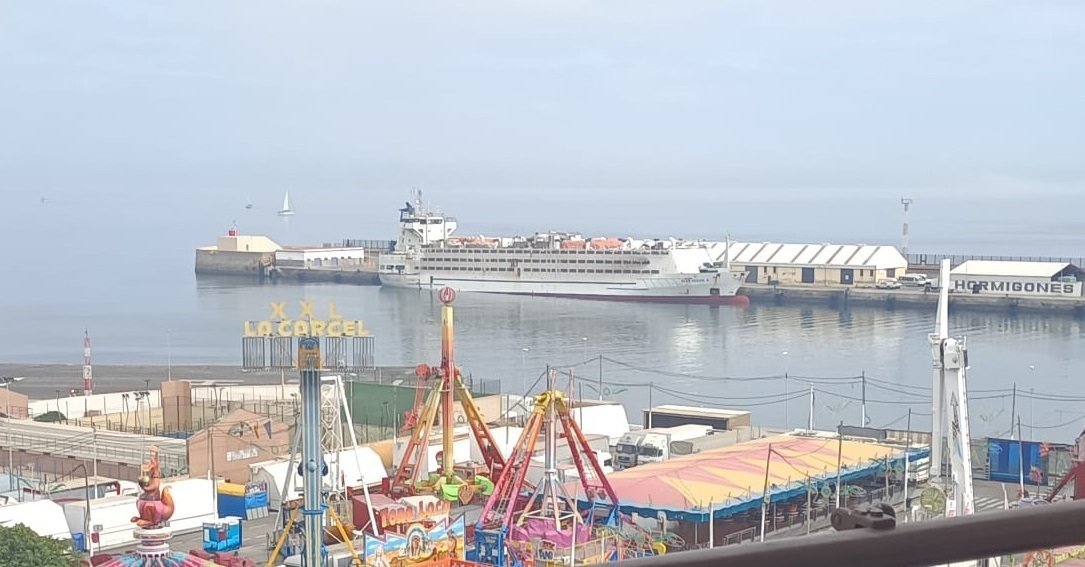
307 324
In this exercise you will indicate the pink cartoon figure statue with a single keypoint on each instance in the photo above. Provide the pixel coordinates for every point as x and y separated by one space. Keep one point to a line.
155 503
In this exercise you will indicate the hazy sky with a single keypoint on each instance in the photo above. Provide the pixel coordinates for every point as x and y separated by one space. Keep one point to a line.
504 95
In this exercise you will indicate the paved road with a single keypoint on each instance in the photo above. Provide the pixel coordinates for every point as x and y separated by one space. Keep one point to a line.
253 540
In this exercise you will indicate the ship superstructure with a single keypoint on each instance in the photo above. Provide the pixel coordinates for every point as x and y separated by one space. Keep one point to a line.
558 264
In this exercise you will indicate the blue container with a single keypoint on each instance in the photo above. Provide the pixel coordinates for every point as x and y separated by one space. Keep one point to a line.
79 542
231 505
1009 458
223 535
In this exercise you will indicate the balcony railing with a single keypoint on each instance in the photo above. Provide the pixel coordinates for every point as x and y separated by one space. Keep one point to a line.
917 544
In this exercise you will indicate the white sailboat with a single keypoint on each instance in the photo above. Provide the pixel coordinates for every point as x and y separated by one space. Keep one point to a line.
287 210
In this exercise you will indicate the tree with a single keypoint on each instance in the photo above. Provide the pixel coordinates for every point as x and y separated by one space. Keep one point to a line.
21 546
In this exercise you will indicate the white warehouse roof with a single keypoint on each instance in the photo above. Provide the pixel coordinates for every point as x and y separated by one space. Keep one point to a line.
847 255
1009 268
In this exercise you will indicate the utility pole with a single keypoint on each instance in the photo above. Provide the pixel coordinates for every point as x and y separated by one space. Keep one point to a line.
765 493
600 377
907 457
839 459
651 386
863 423
1013 410
1020 458
907 203
810 425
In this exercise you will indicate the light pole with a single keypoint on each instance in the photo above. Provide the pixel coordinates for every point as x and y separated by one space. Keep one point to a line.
786 420
585 341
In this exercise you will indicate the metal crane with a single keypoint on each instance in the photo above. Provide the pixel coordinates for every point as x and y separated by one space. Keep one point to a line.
950 408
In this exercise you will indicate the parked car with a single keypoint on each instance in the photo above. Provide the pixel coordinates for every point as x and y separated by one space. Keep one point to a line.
888 284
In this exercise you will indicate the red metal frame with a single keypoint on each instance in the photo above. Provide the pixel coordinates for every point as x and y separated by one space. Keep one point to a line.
502 503
447 381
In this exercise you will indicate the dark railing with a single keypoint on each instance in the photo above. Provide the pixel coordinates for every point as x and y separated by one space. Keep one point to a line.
917 544
956 259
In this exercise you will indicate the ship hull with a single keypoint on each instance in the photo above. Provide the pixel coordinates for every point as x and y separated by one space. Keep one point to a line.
693 289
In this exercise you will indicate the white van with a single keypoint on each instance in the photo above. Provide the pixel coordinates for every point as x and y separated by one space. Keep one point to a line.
914 280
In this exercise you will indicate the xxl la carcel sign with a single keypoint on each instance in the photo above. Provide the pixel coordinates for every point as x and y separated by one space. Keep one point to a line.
306 324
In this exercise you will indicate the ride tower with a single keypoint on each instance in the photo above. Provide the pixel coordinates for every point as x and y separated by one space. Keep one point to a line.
312 467
447 483
522 523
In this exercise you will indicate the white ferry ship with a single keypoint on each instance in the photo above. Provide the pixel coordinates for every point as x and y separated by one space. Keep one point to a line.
428 256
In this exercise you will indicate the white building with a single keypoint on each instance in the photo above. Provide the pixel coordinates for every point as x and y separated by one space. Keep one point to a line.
330 257
1017 279
816 264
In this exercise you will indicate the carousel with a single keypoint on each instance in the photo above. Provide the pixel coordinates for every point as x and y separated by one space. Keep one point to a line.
154 510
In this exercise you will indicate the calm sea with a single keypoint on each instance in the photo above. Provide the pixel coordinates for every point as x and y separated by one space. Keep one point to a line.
122 268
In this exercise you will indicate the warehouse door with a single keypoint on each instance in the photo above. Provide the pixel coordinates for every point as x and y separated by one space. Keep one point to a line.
807 275
751 274
847 276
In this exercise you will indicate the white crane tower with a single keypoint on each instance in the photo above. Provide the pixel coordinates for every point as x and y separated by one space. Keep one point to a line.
950 414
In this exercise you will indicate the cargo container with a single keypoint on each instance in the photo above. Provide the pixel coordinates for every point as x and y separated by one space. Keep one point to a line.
715 418
601 418
1010 459
714 440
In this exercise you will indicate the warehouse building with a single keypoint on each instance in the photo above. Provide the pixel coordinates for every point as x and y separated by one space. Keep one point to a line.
817 264
324 257
1017 279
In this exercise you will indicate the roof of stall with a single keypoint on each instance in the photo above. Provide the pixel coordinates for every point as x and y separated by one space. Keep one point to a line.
730 479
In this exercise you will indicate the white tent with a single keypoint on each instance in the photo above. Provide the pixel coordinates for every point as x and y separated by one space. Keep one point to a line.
343 471
45 517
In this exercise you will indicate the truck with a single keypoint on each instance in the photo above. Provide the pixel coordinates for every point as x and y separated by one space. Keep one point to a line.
670 415
655 444
626 449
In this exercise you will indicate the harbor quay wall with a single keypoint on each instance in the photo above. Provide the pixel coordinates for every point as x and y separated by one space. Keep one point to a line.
840 297
224 262
366 275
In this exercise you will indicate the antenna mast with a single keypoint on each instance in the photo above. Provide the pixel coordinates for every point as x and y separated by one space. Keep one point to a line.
88 371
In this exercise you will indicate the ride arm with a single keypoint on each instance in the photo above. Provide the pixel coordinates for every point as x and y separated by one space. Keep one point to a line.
493 457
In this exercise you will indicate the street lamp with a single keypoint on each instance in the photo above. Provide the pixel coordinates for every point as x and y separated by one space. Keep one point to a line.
585 341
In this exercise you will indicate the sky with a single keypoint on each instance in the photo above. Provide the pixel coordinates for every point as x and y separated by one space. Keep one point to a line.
629 107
